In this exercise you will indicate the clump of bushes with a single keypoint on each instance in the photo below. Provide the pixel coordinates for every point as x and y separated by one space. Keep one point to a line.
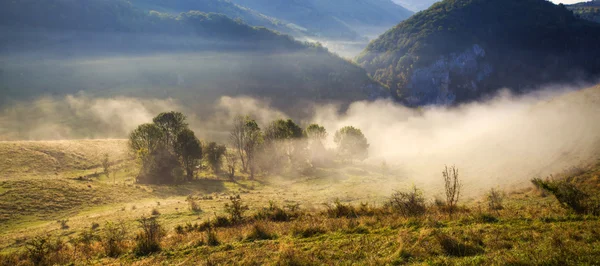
495 198
148 239
410 203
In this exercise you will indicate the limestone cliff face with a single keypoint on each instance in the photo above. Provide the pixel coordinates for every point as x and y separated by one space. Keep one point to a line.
455 73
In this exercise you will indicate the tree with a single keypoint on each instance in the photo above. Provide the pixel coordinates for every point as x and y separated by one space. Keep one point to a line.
352 144
280 136
161 167
214 156
145 139
231 159
189 150
238 137
170 124
254 138
316 135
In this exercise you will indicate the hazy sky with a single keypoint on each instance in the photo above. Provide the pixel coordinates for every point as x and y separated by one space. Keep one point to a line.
567 1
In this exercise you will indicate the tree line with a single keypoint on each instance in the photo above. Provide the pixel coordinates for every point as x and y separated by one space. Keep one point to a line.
168 151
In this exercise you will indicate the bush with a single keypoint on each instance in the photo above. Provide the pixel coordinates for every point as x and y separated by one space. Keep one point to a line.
453 247
259 232
211 238
40 249
495 199
148 240
113 239
276 213
307 230
236 209
410 203
568 195
452 187
63 224
193 205
339 210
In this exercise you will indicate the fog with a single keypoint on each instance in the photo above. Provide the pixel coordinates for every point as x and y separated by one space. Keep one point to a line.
501 142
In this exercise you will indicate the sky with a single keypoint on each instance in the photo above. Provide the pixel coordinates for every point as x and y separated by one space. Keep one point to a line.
567 1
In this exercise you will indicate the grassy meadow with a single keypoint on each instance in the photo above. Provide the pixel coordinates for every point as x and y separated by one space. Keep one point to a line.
57 207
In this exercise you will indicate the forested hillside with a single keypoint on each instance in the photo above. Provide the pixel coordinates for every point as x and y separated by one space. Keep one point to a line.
226 7
341 19
587 10
110 48
459 50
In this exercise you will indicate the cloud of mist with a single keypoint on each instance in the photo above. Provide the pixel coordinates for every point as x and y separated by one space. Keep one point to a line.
78 116
503 141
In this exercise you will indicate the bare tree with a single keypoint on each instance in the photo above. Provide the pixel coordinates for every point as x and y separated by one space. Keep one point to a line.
452 186
231 159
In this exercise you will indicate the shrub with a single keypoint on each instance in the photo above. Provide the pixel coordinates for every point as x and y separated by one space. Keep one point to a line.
155 212
259 232
236 209
148 240
495 199
211 238
63 224
193 205
452 187
568 195
339 210
276 213
411 203
456 248
38 250
113 239
307 230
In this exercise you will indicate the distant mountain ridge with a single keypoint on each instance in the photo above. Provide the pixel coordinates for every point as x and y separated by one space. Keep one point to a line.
341 19
459 50
111 48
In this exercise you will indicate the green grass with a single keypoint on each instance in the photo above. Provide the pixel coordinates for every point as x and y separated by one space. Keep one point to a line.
531 229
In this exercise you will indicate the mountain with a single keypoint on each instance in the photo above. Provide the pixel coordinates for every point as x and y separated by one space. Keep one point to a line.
587 10
459 50
109 48
415 5
225 7
338 19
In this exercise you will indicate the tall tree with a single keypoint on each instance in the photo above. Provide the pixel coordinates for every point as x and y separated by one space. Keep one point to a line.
189 150
254 138
238 139
316 135
352 143
214 156
145 139
170 123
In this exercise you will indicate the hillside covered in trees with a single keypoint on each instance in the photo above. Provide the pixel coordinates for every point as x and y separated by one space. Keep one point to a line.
111 48
459 50
338 19
587 10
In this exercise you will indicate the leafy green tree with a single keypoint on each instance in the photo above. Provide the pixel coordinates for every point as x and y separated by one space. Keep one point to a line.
352 143
170 123
145 139
189 149
254 138
316 135
280 136
214 156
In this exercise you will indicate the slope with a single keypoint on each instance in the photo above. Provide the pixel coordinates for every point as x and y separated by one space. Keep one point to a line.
110 48
337 19
587 10
459 50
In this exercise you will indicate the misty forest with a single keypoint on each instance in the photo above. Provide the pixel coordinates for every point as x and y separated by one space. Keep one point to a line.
305 132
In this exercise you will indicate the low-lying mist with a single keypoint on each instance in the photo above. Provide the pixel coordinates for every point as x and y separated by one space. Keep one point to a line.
500 142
